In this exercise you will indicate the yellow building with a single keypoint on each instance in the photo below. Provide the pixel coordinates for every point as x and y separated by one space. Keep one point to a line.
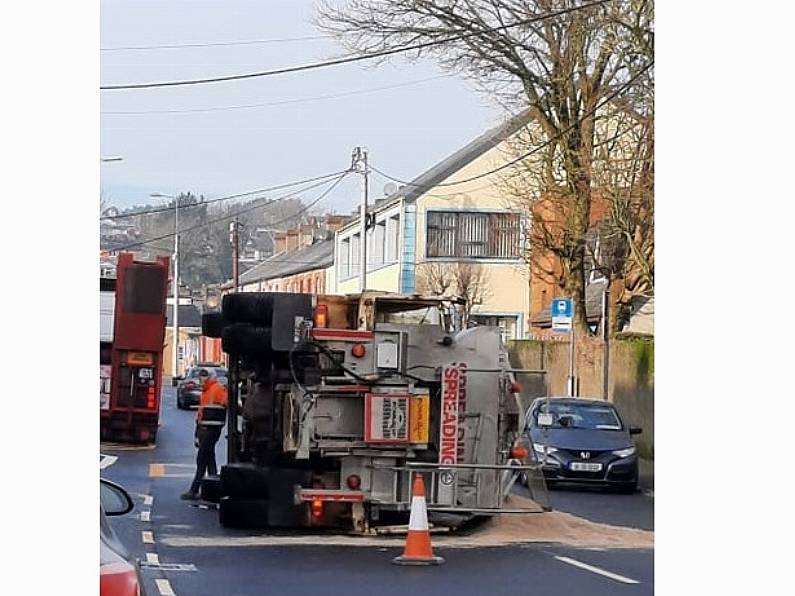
448 227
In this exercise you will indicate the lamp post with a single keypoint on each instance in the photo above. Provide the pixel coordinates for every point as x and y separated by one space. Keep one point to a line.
175 332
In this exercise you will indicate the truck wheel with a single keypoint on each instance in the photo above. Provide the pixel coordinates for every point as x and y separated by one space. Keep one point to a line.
243 338
213 324
243 513
210 489
244 481
249 307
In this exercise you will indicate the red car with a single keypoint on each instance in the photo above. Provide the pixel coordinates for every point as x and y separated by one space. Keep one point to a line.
119 573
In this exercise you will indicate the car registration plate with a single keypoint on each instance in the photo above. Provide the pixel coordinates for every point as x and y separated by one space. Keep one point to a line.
581 466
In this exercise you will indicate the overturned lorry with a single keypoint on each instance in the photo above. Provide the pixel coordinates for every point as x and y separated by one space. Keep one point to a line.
336 401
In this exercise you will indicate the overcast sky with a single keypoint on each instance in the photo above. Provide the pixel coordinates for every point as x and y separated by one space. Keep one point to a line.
405 129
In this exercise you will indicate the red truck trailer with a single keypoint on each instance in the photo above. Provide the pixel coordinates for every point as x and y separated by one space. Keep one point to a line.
131 356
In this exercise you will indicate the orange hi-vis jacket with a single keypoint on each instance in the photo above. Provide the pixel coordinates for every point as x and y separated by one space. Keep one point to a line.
212 405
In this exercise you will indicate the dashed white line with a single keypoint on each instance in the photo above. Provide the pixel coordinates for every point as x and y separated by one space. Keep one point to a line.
164 587
145 516
148 499
153 558
592 569
147 537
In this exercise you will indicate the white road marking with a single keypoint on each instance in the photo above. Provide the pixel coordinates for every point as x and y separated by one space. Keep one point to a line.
147 537
152 558
592 569
145 516
148 499
107 461
164 587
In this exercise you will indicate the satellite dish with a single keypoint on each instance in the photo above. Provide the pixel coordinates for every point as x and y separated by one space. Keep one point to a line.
390 188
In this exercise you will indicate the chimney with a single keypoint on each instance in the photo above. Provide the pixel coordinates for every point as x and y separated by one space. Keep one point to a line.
305 235
292 239
335 222
279 242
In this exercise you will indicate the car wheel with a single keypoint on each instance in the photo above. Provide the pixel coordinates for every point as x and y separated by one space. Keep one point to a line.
180 404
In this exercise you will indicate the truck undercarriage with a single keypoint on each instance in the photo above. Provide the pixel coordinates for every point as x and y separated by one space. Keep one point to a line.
336 401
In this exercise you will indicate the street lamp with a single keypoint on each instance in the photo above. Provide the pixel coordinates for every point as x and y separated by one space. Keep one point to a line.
175 332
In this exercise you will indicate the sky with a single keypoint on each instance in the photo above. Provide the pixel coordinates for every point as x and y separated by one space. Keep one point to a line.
406 130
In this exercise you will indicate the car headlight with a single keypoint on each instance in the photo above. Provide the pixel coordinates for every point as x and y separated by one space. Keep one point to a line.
625 452
540 448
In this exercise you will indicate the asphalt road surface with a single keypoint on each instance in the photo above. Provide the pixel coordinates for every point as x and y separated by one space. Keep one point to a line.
187 553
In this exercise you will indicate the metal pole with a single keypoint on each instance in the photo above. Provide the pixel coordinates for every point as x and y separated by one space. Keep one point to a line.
235 256
175 338
571 353
362 154
606 343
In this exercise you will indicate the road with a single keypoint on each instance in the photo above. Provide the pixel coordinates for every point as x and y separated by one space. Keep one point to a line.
187 553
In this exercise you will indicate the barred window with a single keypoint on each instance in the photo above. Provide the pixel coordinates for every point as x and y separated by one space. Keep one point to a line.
472 234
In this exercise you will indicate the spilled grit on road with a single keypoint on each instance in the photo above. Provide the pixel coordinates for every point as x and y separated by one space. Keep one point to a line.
553 527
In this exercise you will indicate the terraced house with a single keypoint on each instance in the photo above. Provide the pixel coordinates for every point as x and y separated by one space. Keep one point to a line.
450 230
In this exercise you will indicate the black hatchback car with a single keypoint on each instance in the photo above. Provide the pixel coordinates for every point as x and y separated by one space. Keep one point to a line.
583 441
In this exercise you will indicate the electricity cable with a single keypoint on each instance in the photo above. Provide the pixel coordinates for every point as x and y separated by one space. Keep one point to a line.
247 209
350 59
224 198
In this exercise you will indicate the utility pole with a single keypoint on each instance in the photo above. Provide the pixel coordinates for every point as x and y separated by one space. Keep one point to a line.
234 238
175 332
570 383
606 341
360 158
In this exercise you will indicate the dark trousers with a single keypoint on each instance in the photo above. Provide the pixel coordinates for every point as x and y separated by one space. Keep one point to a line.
205 458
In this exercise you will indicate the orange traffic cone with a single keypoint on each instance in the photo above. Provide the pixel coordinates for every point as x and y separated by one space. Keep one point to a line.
418 540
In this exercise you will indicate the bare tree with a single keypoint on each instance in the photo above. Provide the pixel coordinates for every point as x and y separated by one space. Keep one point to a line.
467 280
562 68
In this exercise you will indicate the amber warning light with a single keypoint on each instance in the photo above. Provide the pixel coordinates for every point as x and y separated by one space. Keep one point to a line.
321 316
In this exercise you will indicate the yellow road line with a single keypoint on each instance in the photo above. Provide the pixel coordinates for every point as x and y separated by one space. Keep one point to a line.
156 470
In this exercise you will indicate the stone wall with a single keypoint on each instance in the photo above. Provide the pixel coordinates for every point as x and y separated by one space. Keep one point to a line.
630 383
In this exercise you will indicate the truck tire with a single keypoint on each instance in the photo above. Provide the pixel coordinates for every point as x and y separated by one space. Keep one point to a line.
249 307
243 513
210 489
213 324
244 481
246 339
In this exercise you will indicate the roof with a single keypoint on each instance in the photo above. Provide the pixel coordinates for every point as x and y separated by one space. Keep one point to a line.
454 162
593 306
315 256
189 316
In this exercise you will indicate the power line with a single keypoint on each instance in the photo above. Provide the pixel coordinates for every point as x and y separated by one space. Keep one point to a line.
549 141
246 210
224 198
281 103
247 42
349 59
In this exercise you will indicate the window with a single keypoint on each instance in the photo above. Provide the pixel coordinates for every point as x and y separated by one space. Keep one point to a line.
593 261
472 235
392 238
375 256
344 258
355 256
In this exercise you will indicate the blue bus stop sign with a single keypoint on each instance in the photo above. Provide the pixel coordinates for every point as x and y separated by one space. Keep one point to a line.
562 314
